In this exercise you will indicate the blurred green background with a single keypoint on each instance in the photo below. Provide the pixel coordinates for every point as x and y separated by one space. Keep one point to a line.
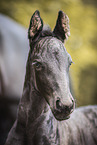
82 44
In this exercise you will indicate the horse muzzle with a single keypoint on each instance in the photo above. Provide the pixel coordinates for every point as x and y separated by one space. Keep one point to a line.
61 111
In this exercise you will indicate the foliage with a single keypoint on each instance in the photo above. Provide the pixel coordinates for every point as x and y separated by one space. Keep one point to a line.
81 45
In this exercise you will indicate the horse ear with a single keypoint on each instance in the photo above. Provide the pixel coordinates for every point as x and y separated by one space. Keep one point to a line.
36 25
62 29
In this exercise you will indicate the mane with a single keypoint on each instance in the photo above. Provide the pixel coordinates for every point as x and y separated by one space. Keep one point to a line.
46 31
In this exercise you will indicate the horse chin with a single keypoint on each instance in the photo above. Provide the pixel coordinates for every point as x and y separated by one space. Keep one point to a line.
61 116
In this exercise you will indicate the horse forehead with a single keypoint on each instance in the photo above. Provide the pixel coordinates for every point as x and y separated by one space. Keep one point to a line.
54 42
55 45
52 45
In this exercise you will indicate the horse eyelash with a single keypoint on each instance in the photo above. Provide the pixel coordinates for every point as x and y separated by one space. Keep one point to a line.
73 62
33 63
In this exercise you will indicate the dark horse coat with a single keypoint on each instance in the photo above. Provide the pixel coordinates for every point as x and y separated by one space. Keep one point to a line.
44 115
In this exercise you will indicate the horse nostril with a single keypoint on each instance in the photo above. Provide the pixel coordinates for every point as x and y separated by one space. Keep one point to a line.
71 107
64 108
58 104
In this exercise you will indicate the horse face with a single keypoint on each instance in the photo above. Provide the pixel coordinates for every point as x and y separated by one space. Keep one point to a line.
51 64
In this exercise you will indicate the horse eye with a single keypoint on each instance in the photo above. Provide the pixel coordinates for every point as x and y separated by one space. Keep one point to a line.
71 62
38 66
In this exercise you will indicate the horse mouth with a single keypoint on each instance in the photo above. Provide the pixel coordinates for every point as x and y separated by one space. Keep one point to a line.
60 116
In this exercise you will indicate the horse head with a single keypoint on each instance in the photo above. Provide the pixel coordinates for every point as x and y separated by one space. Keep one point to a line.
50 63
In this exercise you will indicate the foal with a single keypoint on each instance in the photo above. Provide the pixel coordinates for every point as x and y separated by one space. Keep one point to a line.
46 104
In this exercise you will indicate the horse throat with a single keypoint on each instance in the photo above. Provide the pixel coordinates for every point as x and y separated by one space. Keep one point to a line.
32 105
